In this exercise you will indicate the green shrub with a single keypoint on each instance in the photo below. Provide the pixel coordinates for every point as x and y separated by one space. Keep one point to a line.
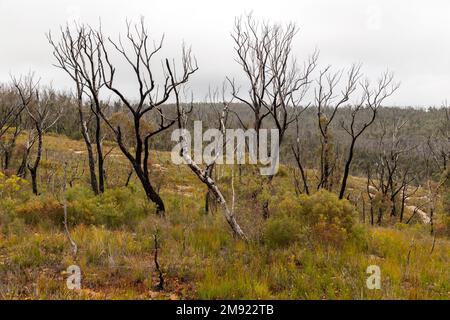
113 208
330 220
40 208
281 231
9 186
321 215
37 250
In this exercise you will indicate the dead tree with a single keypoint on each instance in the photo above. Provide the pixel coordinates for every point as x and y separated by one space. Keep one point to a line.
406 193
439 141
77 53
221 119
43 111
25 88
29 143
393 170
160 285
253 44
202 174
276 84
11 107
328 103
66 220
370 195
297 152
151 97
433 187
370 102
8 142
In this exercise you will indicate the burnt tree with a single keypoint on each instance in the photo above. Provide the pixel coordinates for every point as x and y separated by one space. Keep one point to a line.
151 97
77 53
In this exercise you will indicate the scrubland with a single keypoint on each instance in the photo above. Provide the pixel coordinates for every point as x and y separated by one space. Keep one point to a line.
311 247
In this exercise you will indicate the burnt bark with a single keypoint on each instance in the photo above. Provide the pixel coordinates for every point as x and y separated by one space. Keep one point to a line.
34 168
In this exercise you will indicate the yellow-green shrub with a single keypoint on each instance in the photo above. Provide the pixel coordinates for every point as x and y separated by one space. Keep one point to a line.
330 220
40 208
10 185
281 231
113 208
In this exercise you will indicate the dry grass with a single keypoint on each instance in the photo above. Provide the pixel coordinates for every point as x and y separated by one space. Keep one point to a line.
198 255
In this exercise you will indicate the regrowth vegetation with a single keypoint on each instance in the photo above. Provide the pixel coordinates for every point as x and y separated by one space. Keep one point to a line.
87 179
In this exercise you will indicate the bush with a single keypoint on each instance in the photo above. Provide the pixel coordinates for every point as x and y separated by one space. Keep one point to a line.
38 209
113 208
36 250
331 220
10 185
281 231
321 215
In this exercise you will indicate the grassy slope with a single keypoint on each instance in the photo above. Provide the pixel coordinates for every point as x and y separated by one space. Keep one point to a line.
199 257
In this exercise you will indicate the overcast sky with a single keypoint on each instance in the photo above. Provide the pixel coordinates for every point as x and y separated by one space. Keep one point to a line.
409 37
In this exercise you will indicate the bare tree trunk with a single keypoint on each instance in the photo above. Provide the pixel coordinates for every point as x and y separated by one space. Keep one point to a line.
402 208
33 169
265 206
211 184
65 221
202 174
143 177
301 169
347 170
90 153
6 157
160 285
380 216
371 214
326 162
22 170
100 158
9 146
208 194
127 182
363 209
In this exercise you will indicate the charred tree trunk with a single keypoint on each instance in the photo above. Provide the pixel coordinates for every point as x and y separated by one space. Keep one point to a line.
100 158
301 169
6 158
326 162
130 174
143 176
371 214
402 208
347 170
33 169
22 170
90 153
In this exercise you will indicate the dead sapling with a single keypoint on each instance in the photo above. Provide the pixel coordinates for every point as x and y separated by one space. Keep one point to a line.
65 221
160 285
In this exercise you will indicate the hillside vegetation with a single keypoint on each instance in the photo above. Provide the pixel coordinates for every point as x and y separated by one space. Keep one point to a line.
342 197
311 247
